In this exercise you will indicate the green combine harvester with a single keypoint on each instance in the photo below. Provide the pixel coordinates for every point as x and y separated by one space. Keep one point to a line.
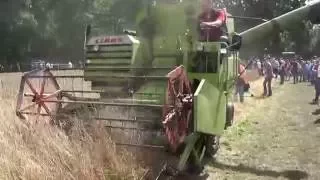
160 87
158 66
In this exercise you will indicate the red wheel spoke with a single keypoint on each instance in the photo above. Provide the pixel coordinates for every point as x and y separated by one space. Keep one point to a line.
35 90
52 95
42 86
28 106
45 107
31 87
176 119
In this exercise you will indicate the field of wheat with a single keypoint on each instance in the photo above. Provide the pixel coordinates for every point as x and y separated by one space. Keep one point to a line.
45 152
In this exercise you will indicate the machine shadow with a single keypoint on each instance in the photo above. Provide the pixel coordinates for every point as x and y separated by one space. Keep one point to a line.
290 174
316 121
192 177
316 112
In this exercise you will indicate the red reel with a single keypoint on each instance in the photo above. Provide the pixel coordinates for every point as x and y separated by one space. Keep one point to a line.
178 107
39 95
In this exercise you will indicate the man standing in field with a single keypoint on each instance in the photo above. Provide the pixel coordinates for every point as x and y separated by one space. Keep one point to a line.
282 71
316 69
268 72
275 65
241 82
295 70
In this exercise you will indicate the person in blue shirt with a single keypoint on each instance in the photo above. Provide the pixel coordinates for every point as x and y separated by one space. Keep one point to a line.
306 70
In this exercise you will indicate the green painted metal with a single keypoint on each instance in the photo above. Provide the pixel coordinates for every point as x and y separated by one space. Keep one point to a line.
209 109
152 90
194 151
191 141
212 94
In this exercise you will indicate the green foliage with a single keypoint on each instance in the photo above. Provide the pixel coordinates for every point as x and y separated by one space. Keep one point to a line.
50 28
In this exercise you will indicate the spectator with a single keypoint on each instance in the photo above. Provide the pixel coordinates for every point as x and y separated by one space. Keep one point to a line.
259 67
268 72
241 82
317 83
295 71
282 71
306 67
275 65
70 65
48 65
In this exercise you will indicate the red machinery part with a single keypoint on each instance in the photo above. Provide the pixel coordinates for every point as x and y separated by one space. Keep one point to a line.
178 107
36 88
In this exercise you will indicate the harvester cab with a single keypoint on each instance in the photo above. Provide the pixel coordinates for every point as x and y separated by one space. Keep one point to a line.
158 87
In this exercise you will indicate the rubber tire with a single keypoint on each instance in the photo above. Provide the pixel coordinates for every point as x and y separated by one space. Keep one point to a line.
212 146
229 115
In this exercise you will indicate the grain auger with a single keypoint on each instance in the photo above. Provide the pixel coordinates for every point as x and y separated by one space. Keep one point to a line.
147 87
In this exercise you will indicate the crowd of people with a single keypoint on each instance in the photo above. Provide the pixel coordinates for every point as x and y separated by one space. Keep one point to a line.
293 68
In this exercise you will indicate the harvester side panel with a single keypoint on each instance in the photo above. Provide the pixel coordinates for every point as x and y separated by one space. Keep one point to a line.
223 73
232 70
209 109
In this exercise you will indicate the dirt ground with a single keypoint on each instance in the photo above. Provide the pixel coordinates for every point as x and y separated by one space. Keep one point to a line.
274 138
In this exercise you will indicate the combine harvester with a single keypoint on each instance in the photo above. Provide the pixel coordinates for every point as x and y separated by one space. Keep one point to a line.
158 88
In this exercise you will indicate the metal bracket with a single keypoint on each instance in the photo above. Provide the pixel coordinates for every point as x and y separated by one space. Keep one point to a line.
226 93
167 171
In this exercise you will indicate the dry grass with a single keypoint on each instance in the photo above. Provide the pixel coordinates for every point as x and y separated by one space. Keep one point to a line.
276 140
44 152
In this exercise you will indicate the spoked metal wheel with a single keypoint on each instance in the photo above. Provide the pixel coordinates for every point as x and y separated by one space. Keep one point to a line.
178 108
39 95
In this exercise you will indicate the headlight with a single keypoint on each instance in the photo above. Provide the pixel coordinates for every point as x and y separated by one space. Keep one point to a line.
96 48
223 51
200 47
88 61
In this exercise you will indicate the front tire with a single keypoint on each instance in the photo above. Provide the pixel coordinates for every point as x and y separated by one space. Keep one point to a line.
212 146
229 115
